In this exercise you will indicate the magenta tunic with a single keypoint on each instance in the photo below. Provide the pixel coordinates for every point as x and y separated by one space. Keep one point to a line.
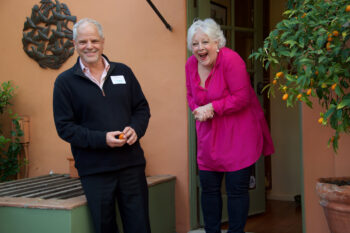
238 134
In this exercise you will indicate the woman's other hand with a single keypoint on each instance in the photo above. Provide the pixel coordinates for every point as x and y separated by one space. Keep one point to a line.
204 112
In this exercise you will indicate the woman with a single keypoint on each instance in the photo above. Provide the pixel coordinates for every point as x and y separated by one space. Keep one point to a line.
231 128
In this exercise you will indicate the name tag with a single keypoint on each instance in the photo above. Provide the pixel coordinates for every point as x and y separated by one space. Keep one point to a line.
119 79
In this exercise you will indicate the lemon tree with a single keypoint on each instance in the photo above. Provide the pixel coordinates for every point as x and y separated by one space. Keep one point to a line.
310 49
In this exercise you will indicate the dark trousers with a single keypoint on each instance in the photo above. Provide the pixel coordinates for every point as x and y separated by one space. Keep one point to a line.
237 185
129 188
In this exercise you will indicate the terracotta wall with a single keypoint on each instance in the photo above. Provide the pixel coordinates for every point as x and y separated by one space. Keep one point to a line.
320 161
134 35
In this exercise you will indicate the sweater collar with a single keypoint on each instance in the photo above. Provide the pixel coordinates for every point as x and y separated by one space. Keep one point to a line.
78 71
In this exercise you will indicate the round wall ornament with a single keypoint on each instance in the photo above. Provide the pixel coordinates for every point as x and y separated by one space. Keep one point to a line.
47 37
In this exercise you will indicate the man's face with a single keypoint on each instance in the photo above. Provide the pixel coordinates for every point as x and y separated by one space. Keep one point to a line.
89 44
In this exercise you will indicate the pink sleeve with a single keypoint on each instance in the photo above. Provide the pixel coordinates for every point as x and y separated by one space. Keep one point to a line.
189 83
238 84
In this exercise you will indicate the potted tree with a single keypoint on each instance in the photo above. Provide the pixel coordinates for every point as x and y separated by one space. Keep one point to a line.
10 146
310 52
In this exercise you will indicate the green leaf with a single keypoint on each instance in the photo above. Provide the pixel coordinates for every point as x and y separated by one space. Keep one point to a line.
320 41
275 61
265 87
285 53
290 78
322 59
305 60
344 103
290 42
294 51
285 35
330 111
338 90
287 12
301 42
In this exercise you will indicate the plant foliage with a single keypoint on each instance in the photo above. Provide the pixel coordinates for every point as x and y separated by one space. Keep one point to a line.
10 147
310 49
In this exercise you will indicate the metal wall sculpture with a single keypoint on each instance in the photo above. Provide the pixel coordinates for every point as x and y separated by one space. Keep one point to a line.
47 37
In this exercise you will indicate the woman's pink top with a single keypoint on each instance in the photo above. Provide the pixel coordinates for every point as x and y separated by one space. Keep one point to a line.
237 134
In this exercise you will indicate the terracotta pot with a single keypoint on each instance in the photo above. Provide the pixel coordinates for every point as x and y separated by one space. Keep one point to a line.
73 172
335 200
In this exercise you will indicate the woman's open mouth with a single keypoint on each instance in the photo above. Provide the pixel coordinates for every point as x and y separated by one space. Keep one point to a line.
203 56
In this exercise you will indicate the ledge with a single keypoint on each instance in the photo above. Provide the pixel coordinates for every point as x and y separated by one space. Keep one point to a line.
66 204
157 179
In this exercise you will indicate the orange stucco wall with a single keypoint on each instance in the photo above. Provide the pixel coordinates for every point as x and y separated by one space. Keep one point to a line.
134 35
320 161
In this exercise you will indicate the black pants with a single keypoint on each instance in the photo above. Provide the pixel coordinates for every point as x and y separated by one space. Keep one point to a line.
237 186
127 186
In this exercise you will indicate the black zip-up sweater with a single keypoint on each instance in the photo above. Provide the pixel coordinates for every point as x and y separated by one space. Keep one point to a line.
83 114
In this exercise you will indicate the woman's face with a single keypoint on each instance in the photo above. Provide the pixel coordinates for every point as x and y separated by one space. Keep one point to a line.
204 49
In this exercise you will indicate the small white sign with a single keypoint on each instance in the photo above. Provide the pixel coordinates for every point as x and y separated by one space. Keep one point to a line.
119 79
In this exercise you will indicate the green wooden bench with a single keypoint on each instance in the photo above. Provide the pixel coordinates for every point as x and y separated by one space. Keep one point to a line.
35 215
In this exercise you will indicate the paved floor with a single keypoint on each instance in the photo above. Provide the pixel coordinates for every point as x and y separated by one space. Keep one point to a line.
203 231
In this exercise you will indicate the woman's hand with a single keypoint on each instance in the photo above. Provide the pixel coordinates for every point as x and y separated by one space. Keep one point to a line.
204 112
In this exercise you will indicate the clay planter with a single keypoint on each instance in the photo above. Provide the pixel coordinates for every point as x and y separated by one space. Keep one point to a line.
334 196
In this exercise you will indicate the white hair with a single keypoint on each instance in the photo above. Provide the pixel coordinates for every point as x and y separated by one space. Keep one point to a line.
87 20
209 27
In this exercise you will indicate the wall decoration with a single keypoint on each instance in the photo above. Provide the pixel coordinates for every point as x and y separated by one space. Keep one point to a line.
47 37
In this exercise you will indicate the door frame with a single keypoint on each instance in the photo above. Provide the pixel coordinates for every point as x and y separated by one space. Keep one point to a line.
193 11
201 9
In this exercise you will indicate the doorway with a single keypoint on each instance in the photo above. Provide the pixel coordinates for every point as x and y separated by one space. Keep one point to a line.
242 23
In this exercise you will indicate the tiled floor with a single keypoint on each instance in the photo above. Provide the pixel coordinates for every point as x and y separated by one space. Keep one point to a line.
203 231
280 217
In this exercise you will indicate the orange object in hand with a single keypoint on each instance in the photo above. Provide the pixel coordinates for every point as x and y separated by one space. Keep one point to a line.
121 136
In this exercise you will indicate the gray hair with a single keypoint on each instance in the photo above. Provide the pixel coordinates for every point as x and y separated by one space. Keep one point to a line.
209 27
87 20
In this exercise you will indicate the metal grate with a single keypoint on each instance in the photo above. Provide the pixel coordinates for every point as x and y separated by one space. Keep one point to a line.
46 187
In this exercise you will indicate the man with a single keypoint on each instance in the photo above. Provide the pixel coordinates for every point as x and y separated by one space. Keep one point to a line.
94 102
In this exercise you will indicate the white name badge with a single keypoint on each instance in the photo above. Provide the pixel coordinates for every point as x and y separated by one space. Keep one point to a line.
119 79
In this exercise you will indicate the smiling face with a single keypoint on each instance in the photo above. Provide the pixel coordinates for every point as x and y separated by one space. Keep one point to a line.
89 44
204 49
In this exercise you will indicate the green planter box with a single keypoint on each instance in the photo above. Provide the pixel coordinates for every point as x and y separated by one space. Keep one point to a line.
34 215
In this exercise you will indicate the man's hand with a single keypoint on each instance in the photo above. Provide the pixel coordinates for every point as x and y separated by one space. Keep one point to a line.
113 141
130 135
204 112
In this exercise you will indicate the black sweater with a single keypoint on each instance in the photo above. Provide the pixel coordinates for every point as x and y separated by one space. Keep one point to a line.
83 114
